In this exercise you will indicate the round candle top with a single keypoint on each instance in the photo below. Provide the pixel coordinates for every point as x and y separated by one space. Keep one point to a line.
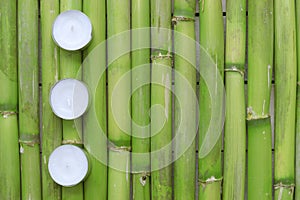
68 165
72 30
69 99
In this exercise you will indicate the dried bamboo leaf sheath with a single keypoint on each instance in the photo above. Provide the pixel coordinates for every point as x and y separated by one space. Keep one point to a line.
260 64
185 102
161 135
29 99
70 62
212 40
235 125
119 122
9 146
96 183
140 98
285 98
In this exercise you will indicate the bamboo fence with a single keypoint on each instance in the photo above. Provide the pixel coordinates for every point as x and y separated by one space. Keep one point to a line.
153 129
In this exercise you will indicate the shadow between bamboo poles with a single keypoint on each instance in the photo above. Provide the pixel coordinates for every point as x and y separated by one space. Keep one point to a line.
29 99
212 39
140 103
70 62
96 183
285 98
51 125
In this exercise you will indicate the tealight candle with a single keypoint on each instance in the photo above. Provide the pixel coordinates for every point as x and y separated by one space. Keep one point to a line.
68 165
69 99
72 30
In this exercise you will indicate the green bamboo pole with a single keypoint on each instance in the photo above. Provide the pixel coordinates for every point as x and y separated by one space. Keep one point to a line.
29 99
9 147
118 21
140 105
96 183
185 104
69 65
212 40
161 179
235 126
298 105
285 98
51 125
260 63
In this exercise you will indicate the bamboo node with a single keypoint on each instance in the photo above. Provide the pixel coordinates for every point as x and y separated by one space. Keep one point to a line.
281 187
176 19
6 114
119 149
143 178
161 56
72 142
251 115
29 139
210 180
234 69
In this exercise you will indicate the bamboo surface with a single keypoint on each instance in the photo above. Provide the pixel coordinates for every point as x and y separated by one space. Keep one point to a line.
126 120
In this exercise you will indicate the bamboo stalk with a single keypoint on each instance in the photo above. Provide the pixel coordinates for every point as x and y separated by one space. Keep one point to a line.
297 192
260 62
96 183
185 104
235 126
211 39
118 21
285 98
161 179
140 104
51 125
69 65
9 147
29 99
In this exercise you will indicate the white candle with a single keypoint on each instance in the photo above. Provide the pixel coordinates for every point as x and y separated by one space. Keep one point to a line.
69 99
72 30
68 165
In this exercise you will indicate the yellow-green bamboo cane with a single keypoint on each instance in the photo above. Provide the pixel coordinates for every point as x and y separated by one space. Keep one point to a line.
29 99
161 179
212 40
119 124
51 125
235 124
285 98
260 64
185 102
297 191
9 146
141 97
70 62
96 183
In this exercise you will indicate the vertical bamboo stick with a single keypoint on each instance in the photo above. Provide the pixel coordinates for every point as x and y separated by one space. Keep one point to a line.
185 104
285 98
211 39
297 195
29 99
260 62
96 183
141 97
161 180
235 126
69 65
9 147
51 125
118 21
